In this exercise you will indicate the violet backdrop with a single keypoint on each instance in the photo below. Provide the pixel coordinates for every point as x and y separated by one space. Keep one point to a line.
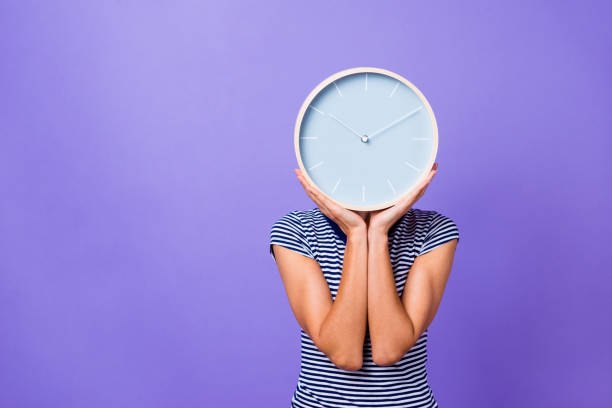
146 148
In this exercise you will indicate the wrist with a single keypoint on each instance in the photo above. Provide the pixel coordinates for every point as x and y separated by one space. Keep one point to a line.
358 232
376 239
377 231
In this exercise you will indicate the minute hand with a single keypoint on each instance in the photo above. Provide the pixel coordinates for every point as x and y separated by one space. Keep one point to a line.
396 121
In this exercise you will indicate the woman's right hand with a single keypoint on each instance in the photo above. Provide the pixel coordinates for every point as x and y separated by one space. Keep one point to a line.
348 220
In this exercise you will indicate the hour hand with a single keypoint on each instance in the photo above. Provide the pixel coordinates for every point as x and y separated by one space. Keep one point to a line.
344 124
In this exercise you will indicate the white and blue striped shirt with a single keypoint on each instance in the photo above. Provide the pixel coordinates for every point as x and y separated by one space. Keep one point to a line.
322 384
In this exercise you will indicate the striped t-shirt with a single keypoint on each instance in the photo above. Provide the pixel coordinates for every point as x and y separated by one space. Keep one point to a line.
322 384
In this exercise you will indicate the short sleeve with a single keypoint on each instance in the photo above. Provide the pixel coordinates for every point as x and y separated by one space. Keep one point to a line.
289 232
441 230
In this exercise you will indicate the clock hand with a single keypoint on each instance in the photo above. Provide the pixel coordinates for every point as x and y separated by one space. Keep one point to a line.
396 121
345 125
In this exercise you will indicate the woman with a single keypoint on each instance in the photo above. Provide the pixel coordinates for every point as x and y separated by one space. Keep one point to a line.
363 316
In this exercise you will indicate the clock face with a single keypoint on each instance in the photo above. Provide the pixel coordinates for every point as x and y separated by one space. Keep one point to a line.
365 137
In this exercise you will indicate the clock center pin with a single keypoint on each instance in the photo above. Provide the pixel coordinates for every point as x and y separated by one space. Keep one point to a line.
364 138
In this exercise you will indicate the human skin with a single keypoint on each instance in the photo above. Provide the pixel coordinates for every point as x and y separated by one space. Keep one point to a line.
337 327
396 322
367 296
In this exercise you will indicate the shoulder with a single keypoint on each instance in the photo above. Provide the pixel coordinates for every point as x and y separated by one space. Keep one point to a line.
290 231
419 215
298 221
302 216
441 228
417 219
291 220
427 217
437 228
432 223
440 221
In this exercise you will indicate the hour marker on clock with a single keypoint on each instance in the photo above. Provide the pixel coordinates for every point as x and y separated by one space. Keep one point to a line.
316 165
391 185
366 86
363 192
421 138
309 137
393 91
340 93
318 110
336 186
413 166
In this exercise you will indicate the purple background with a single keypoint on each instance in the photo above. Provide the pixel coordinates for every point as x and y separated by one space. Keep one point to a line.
147 147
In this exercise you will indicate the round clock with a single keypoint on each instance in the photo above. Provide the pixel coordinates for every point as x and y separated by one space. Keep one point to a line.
365 137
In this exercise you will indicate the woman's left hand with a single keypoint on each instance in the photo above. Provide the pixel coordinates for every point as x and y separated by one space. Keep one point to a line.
382 220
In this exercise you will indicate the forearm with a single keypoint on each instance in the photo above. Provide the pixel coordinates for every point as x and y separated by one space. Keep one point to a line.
391 330
342 333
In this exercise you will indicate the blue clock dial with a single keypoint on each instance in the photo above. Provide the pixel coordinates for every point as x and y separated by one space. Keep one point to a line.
366 138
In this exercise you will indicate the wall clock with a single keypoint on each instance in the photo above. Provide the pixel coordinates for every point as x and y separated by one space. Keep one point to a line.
365 137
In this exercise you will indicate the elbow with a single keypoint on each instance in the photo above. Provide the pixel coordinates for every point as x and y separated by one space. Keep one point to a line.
386 357
346 358
349 363
387 354
386 360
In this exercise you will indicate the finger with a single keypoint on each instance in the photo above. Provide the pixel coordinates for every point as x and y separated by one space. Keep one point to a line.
426 183
333 208
327 206
432 173
312 191
428 179
408 201
331 205
313 194
422 185
307 187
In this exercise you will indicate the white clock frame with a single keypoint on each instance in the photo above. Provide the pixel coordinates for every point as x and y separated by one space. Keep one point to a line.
359 70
